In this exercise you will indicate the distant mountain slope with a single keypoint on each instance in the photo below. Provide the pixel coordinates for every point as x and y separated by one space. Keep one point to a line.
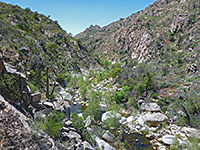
29 40
165 25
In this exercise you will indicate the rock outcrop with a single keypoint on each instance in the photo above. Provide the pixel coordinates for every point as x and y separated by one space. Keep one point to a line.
145 34
16 133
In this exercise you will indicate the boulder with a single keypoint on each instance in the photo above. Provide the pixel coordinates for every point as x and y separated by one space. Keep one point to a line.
154 119
65 95
130 119
153 107
108 136
140 101
10 69
88 121
63 106
36 97
71 135
102 144
168 139
102 107
87 146
111 114
123 120
191 132
68 123
196 133
48 104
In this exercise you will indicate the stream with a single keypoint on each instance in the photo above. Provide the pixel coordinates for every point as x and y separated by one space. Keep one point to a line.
130 141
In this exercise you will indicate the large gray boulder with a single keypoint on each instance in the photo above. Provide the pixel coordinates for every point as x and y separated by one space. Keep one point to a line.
87 146
108 136
110 115
102 144
154 119
153 107
168 139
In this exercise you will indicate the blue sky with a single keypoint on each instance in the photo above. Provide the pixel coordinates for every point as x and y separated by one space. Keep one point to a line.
75 16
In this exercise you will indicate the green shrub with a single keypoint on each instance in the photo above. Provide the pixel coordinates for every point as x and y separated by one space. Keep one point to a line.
83 87
60 77
114 72
73 82
93 109
155 95
78 124
68 76
52 124
120 96
51 48
33 87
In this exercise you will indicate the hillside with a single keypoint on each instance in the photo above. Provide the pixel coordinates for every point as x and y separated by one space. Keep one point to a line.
166 25
30 40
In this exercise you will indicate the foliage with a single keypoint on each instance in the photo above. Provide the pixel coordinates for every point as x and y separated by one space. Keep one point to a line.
68 76
73 82
33 87
60 77
112 122
83 87
192 143
52 124
114 72
120 96
188 103
51 48
78 124
93 109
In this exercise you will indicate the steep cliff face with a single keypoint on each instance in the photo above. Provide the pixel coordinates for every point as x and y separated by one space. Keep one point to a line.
30 40
164 25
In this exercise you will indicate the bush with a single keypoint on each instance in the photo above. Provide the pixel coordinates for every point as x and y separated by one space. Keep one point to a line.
112 122
51 48
114 72
78 124
52 124
73 82
68 76
60 77
83 87
120 96
93 109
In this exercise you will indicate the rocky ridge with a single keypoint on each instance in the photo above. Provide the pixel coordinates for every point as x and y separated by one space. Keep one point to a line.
147 33
30 41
